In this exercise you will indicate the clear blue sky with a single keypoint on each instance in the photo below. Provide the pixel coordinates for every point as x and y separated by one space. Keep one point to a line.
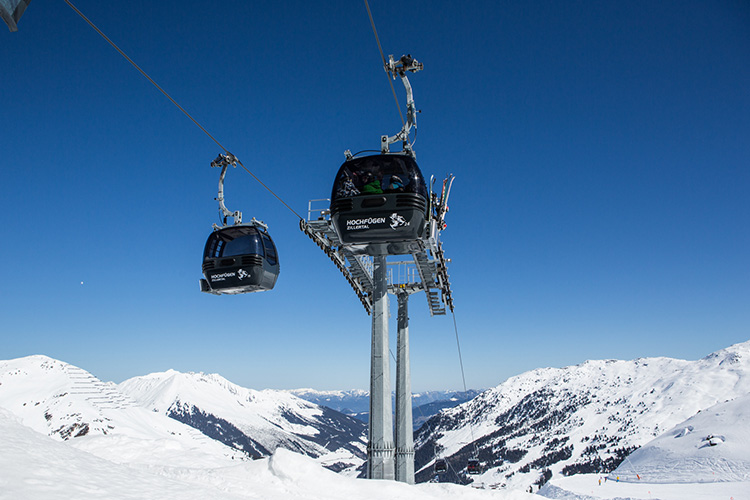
600 209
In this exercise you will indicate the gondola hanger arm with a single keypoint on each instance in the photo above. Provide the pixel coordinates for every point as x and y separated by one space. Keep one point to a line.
223 161
399 68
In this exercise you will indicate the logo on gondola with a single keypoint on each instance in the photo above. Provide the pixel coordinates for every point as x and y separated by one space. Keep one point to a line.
241 274
355 224
221 277
398 221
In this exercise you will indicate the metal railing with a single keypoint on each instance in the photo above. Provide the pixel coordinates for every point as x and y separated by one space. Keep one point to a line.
316 212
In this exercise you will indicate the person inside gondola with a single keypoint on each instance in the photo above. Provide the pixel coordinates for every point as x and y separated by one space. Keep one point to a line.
372 185
395 185
347 188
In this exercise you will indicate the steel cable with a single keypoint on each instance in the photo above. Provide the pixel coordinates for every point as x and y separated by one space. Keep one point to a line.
123 54
382 56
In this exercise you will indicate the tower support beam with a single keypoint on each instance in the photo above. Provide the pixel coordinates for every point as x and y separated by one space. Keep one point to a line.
404 422
380 464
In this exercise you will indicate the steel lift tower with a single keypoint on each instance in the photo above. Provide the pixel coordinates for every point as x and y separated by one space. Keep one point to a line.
359 242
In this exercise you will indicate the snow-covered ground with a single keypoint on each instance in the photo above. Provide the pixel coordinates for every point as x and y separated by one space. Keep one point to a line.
66 435
706 457
587 487
35 466
580 419
711 446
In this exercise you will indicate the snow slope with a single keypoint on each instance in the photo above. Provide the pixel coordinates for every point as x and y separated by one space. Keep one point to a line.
706 457
578 419
254 422
34 466
587 487
711 446
69 404
66 434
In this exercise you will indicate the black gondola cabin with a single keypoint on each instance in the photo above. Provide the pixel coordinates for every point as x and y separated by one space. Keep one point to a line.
379 204
239 259
473 466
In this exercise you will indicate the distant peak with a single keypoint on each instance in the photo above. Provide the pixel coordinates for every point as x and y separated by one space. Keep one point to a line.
731 355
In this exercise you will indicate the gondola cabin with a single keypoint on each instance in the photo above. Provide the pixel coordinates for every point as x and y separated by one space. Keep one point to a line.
473 466
379 204
239 259
441 467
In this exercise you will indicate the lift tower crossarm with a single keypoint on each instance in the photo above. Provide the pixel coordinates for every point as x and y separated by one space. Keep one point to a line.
400 67
356 272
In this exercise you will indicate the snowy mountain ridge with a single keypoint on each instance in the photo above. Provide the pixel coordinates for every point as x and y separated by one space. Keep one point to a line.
343 395
254 422
109 445
350 402
583 418
356 402
176 411
34 466
69 404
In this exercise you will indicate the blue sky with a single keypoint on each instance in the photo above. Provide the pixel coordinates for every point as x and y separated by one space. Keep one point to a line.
600 208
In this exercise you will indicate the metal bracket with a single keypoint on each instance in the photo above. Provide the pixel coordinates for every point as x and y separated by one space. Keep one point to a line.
400 68
224 161
408 63
426 271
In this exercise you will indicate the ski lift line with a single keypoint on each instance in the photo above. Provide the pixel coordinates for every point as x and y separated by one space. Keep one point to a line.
463 375
123 54
458 346
270 190
385 64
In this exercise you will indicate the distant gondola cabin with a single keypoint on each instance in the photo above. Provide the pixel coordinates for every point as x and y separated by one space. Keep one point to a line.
239 259
441 466
473 466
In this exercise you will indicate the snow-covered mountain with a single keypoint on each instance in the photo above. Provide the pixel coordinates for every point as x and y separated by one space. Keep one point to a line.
69 404
704 457
713 445
351 402
66 434
254 422
356 402
34 466
583 418
426 407
174 412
